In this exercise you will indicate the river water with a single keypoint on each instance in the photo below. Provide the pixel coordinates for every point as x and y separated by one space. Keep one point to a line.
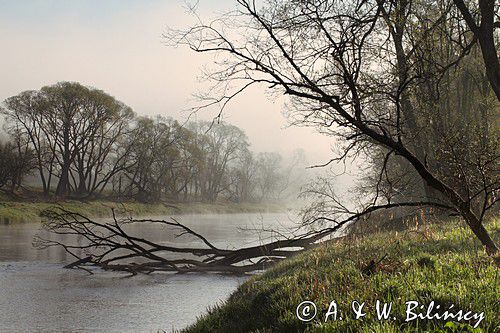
38 295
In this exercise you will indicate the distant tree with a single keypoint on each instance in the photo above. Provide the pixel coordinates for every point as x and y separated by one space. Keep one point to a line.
160 161
73 130
221 144
266 176
243 178
26 122
103 122
16 162
294 175
269 176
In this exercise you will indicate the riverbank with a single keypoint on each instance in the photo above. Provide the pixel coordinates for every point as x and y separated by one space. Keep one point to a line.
442 263
29 211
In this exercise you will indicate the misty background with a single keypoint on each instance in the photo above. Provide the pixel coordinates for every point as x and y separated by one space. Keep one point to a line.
117 46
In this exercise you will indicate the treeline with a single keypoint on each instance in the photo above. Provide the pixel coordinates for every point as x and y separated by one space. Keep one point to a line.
82 143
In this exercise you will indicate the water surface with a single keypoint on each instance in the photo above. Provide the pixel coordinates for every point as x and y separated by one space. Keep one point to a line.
38 295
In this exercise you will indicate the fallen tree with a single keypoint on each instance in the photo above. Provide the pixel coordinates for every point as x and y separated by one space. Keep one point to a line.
109 246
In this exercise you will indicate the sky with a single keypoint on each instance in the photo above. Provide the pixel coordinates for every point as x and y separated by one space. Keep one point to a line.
117 46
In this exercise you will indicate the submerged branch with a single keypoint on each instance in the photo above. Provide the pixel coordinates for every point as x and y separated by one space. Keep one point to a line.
109 246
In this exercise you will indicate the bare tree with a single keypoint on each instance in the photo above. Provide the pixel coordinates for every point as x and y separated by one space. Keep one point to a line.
347 68
354 69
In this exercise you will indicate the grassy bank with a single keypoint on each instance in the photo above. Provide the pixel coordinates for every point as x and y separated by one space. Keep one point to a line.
441 263
24 211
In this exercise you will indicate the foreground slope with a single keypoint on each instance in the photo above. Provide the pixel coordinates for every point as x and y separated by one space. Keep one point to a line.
441 263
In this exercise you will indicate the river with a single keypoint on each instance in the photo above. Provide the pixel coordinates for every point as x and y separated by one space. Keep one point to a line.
38 295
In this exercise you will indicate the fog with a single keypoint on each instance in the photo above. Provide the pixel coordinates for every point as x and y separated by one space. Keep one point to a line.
117 46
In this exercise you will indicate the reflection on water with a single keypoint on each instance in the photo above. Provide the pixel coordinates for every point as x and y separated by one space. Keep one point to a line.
37 295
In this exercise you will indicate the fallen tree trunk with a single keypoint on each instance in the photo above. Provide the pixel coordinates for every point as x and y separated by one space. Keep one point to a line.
108 245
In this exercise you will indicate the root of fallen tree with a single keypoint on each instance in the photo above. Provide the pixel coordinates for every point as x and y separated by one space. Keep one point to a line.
107 244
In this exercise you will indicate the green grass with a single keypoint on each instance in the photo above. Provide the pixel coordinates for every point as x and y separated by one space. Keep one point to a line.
441 262
25 211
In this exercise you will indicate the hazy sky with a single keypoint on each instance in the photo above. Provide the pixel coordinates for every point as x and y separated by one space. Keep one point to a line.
116 46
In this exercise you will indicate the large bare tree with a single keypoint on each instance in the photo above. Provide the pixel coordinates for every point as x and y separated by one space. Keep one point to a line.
348 68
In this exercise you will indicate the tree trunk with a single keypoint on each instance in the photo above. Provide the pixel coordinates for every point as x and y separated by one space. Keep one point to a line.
63 184
462 206
62 189
481 233
82 186
491 63
484 33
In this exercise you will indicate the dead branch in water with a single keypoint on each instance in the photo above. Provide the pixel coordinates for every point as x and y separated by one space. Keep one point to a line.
107 244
